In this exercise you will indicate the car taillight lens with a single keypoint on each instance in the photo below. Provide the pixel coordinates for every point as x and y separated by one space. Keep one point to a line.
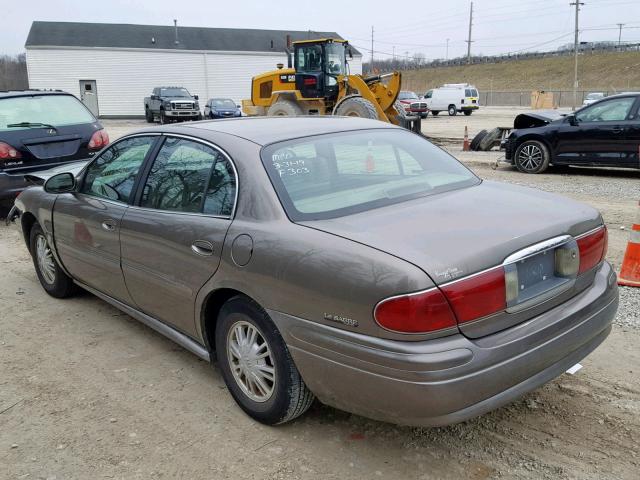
99 139
593 248
421 312
7 152
479 295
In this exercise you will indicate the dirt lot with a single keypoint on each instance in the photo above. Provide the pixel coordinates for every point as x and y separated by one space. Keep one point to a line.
88 392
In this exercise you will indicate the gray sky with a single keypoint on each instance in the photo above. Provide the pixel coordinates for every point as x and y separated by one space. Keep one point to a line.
500 26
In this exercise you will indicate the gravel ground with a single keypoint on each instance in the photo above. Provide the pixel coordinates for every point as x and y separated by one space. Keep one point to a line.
88 392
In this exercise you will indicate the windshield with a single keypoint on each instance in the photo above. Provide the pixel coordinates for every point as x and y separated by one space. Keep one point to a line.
329 176
56 110
174 92
335 58
407 96
223 103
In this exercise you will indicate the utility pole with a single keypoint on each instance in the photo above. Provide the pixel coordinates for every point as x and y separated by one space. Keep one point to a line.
620 25
469 39
447 55
371 48
576 46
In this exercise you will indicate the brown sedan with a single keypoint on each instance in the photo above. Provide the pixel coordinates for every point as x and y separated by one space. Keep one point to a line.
339 258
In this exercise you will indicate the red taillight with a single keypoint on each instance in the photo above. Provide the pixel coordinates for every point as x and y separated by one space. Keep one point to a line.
415 312
310 81
98 140
477 296
593 248
7 152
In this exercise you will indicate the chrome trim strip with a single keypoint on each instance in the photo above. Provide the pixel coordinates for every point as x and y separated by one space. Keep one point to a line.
171 333
536 249
586 234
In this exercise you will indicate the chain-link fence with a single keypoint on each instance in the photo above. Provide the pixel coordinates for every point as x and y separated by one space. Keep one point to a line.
561 98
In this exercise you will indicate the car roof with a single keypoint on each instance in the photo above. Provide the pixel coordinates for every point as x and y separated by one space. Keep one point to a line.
28 93
266 130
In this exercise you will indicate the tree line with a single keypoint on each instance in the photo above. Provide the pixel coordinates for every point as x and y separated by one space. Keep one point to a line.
13 72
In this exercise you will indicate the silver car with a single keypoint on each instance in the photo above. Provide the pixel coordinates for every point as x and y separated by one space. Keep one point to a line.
337 258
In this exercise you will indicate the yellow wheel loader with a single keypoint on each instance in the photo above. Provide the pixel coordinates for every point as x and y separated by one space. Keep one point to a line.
319 83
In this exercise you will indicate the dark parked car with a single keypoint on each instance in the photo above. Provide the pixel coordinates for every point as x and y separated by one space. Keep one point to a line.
171 104
605 134
40 129
221 108
335 257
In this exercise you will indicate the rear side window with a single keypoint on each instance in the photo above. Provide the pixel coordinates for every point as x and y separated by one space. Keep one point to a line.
191 177
56 110
329 176
113 174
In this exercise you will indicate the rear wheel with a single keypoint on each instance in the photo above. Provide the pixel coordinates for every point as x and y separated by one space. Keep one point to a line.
435 113
284 108
256 364
453 111
468 112
148 115
532 157
54 281
361 107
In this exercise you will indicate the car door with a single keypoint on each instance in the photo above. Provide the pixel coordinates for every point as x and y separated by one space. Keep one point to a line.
172 238
599 134
631 159
86 223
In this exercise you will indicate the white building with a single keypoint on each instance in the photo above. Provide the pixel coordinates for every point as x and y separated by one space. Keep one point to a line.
119 64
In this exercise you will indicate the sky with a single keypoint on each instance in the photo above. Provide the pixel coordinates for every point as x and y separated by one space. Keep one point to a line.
404 27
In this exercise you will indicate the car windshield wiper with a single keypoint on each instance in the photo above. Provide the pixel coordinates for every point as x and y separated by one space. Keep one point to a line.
31 125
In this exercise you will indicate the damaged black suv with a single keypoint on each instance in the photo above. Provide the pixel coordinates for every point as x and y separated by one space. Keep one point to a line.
604 134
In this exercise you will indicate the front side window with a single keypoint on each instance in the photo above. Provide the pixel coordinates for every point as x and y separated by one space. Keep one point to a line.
335 58
429 94
56 110
615 110
188 176
329 176
112 175
309 58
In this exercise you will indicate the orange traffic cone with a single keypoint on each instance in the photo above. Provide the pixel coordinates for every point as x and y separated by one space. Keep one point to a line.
466 146
630 269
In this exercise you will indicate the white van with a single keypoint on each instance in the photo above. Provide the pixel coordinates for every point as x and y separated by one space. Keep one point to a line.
453 98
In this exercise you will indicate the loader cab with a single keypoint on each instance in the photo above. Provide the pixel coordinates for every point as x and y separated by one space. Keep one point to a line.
318 64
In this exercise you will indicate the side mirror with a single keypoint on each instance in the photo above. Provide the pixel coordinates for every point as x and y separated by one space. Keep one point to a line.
572 120
153 97
239 106
60 183
196 97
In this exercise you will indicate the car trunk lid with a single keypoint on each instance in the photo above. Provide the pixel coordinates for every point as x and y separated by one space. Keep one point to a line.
462 232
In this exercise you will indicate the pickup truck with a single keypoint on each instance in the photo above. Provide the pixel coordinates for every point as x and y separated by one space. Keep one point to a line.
169 104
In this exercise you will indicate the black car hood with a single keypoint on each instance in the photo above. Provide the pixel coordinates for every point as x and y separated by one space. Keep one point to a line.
536 119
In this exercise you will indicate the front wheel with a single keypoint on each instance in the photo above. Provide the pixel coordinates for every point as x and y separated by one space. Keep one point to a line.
54 281
163 118
532 157
256 364
453 111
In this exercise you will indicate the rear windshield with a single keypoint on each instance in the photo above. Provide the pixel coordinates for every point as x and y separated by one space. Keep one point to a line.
471 92
329 176
56 110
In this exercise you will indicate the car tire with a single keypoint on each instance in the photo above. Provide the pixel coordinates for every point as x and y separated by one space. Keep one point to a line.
532 156
452 110
248 342
489 140
284 108
54 281
435 113
468 112
475 143
148 115
361 107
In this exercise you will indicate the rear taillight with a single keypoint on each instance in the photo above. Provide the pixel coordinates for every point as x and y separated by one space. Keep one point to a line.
593 248
7 152
478 295
420 312
99 139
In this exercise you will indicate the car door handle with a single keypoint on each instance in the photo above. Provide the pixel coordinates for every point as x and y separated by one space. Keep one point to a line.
202 247
617 130
109 224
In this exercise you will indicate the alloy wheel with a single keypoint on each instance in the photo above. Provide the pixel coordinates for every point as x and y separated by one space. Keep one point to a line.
251 361
530 157
45 260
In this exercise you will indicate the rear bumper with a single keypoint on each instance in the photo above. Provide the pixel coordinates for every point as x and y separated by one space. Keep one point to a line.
450 379
11 186
469 107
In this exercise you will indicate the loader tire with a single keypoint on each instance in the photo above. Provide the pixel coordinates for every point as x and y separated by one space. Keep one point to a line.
489 139
284 108
402 113
357 107
475 143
